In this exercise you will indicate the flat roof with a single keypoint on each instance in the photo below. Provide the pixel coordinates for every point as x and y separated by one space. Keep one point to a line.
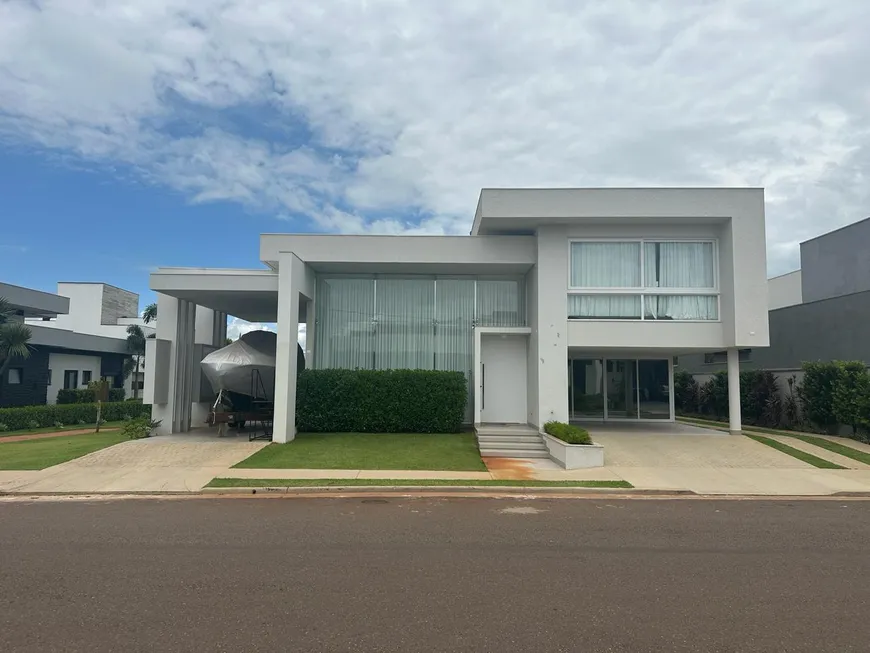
34 303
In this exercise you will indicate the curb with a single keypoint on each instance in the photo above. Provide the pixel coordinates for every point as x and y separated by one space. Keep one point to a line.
440 489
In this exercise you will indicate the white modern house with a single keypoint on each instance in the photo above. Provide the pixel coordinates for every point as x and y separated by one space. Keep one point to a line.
95 309
562 304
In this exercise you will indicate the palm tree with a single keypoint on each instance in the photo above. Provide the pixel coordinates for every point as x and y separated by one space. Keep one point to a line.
136 347
150 313
14 336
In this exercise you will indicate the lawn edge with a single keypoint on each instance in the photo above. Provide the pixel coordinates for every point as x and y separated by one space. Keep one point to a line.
803 456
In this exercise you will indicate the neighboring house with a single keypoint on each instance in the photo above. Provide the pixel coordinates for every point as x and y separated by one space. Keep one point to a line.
104 310
817 313
561 304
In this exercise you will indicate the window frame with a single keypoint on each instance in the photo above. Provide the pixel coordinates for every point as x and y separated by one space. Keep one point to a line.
643 290
90 376
20 380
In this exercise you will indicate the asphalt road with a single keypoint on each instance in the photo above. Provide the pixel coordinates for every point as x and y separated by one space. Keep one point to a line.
435 575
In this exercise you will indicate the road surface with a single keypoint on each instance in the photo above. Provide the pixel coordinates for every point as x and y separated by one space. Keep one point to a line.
434 575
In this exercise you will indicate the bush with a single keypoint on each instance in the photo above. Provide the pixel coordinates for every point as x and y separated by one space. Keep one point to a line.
714 396
32 424
817 394
686 392
88 395
567 433
21 417
380 401
851 401
760 403
3 427
58 425
141 427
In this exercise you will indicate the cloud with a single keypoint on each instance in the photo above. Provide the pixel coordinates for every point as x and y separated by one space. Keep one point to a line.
388 117
237 327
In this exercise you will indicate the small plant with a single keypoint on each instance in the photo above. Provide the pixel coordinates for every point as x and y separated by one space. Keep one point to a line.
3 427
126 418
58 425
141 427
32 425
791 412
567 433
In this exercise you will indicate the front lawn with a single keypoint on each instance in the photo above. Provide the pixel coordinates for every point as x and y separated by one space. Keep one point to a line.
46 452
62 429
395 482
438 451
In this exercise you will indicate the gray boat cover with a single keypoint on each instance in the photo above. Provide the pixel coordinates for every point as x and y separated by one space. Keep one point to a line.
230 368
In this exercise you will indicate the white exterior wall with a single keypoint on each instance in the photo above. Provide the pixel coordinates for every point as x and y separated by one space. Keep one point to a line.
59 363
785 290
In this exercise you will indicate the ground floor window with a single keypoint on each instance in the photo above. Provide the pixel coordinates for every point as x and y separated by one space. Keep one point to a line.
70 379
613 388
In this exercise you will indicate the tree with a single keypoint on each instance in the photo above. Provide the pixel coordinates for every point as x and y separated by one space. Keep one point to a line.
816 393
149 315
851 397
136 347
14 336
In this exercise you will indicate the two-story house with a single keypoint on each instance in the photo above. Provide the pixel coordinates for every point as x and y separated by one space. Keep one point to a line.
562 304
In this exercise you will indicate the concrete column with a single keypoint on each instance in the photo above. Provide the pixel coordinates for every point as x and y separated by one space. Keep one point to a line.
734 419
167 308
289 268
206 332
552 324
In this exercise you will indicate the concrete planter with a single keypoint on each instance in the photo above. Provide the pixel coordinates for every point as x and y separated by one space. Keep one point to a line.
574 456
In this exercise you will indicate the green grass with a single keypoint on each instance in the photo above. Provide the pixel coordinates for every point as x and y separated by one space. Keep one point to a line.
809 458
68 427
346 482
437 451
836 447
46 452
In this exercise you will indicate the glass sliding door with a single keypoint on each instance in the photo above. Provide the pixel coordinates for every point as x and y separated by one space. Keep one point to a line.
654 389
621 380
586 383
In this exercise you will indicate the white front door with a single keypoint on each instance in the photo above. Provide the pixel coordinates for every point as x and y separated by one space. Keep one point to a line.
503 380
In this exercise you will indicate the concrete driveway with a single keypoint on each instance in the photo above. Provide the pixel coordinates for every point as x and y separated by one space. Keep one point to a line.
171 463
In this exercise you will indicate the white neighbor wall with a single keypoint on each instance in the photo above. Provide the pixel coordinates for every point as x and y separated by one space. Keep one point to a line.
59 363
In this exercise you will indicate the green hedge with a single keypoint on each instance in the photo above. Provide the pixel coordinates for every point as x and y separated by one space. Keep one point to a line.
87 395
69 414
567 433
380 401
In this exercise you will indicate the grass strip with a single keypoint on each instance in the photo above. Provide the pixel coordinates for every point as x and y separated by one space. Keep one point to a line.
808 458
396 482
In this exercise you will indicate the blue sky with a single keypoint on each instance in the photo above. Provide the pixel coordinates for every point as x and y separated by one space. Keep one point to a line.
143 133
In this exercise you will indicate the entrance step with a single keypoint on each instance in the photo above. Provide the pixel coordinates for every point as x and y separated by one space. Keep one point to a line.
510 441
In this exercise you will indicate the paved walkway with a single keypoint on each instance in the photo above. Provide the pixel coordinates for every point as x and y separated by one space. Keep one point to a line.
54 434
175 463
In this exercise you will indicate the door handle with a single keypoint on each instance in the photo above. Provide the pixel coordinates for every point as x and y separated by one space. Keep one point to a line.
482 386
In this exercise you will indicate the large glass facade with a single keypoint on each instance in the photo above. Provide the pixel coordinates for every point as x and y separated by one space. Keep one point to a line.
609 388
425 323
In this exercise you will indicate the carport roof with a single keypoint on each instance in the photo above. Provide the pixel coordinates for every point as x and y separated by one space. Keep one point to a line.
247 294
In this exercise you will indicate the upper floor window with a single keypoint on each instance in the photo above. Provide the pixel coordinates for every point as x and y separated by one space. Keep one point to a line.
643 280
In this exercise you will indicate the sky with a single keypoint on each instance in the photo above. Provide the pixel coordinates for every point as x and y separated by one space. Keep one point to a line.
143 133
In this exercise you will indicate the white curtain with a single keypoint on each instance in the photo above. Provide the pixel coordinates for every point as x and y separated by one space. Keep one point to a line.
681 307
404 324
604 306
345 318
454 331
678 265
605 265
500 303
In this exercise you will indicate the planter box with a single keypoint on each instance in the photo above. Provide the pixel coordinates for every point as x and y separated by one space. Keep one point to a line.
574 456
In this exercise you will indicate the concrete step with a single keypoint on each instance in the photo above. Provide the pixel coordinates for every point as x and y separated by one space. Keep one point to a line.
505 429
513 445
513 453
493 439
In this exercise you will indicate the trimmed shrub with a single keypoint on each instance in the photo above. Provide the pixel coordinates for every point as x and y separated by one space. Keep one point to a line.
567 433
760 403
117 394
380 401
87 395
141 427
816 393
43 416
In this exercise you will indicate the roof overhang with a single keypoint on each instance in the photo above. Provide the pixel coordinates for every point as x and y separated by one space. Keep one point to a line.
524 210
248 294
64 339
34 303
341 254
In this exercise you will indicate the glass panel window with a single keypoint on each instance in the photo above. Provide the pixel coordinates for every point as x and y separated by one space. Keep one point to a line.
602 307
621 380
454 332
500 303
404 332
345 318
16 375
681 307
587 387
678 265
653 389
605 265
